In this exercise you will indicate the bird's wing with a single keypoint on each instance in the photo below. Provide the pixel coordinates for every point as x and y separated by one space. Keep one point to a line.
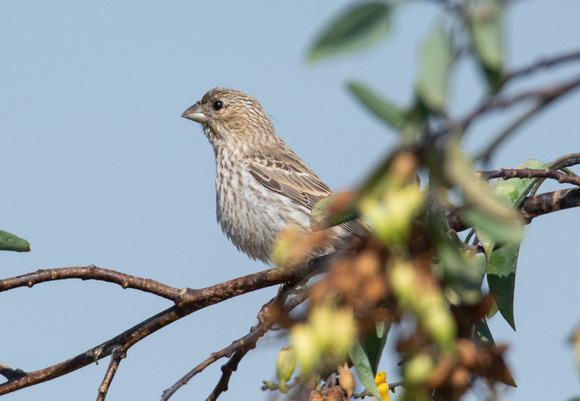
298 183
295 180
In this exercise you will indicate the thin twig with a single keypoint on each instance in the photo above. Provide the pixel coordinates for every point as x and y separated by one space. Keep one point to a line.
485 154
569 160
543 96
532 207
561 163
544 63
116 357
367 393
508 173
266 323
269 386
248 341
227 369
251 338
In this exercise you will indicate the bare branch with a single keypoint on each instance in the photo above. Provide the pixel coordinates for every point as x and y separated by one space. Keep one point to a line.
92 272
532 207
568 160
256 332
543 96
539 205
227 369
246 343
9 373
232 365
544 63
190 300
487 151
251 338
507 173
116 357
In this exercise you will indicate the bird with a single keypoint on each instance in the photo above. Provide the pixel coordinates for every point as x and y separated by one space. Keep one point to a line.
262 186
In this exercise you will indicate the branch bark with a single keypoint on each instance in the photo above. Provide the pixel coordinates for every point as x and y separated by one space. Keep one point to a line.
188 301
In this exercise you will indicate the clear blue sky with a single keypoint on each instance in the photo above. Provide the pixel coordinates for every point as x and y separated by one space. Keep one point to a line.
98 167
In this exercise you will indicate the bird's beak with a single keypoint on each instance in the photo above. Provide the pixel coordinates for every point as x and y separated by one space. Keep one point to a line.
195 113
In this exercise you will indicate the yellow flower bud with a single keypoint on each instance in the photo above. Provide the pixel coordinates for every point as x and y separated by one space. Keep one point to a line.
285 367
383 386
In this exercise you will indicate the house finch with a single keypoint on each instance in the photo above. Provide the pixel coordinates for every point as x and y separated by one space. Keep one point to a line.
262 185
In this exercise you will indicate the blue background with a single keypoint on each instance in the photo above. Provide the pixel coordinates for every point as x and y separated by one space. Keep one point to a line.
98 167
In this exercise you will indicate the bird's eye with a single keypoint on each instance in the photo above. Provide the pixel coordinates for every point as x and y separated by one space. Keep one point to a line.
217 105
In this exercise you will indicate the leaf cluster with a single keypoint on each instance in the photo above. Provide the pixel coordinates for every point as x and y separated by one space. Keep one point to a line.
417 270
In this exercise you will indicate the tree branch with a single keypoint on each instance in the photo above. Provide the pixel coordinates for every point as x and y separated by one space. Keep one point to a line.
116 357
252 337
549 202
507 173
9 373
246 343
543 96
532 207
92 272
544 63
189 301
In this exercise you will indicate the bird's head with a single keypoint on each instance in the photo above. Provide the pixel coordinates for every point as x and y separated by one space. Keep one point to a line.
230 116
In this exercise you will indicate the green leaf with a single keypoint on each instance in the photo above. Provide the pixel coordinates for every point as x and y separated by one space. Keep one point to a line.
494 219
10 242
435 65
461 272
483 333
379 106
364 369
354 29
515 190
373 344
492 310
415 122
485 23
492 229
493 77
501 277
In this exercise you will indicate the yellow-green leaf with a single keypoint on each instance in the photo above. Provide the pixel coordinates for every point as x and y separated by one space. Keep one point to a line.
485 23
515 190
435 64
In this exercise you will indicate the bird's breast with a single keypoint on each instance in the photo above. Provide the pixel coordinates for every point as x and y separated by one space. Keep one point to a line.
250 214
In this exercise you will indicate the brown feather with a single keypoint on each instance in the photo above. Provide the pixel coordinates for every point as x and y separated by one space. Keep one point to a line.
301 185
